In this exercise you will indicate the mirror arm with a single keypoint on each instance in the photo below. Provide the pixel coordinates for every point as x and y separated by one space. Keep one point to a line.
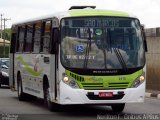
144 38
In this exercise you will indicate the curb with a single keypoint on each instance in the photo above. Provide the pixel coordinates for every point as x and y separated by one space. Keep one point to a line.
148 95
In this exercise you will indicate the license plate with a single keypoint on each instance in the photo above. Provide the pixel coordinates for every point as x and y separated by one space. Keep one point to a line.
105 94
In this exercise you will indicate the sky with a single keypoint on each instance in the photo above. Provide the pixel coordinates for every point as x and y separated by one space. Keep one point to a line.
148 11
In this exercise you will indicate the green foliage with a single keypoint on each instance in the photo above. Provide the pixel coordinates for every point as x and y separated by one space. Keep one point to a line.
7 34
6 52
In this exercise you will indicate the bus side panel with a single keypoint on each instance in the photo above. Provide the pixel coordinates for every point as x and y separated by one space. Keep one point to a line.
52 77
15 71
11 56
11 77
32 69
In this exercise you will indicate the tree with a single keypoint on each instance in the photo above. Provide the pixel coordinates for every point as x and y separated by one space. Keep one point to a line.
7 34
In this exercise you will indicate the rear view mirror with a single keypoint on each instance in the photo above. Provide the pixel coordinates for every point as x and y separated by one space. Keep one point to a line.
56 35
144 38
55 39
145 46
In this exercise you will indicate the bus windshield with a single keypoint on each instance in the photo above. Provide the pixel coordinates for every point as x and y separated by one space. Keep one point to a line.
101 43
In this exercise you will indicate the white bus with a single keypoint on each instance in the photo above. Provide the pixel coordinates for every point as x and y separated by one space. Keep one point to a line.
81 56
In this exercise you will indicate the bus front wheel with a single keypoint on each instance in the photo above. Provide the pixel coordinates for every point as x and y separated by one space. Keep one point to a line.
21 94
47 101
118 107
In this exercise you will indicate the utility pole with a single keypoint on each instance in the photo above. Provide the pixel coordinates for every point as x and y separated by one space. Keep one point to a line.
1 24
4 20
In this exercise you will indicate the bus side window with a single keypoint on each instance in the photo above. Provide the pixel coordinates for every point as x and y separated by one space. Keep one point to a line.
13 40
37 37
46 36
28 38
33 38
17 40
20 40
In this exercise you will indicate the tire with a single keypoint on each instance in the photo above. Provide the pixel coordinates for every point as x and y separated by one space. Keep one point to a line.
118 107
21 95
47 101
31 97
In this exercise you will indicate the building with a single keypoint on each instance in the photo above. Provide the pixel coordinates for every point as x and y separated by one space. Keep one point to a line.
7 42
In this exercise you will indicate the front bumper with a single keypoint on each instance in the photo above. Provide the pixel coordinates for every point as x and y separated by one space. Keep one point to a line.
69 95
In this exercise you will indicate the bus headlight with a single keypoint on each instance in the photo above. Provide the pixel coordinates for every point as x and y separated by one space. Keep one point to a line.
138 81
70 82
65 79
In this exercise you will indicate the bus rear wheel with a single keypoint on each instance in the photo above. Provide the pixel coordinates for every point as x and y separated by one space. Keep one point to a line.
21 94
118 107
47 101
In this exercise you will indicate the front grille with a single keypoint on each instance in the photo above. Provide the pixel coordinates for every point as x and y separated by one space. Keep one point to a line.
118 85
96 86
77 77
88 86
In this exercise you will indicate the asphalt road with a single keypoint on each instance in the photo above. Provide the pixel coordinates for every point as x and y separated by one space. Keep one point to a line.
11 108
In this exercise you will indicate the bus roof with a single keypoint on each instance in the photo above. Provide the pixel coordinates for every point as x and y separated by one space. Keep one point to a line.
80 13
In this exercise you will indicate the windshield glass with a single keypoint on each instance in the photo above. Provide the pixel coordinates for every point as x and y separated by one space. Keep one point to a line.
101 43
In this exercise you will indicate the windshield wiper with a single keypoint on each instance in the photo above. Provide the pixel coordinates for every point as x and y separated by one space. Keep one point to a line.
120 58
117 52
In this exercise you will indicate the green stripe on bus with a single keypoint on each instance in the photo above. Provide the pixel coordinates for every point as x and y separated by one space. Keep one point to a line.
29 69
97 13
